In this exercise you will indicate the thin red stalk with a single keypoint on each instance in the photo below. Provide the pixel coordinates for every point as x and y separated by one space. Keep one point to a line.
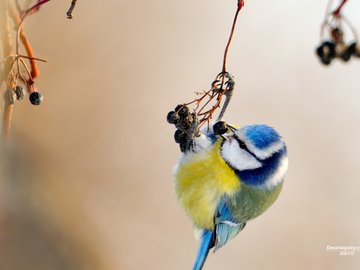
337 11
34 7
240 5
29 10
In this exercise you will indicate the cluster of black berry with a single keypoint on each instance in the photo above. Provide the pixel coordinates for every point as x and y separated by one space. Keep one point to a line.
186 124
18 93
335 47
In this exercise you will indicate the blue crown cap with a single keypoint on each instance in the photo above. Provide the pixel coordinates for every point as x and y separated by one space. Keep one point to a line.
261 135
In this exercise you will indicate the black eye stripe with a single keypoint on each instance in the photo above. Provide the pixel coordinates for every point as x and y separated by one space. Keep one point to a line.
243 146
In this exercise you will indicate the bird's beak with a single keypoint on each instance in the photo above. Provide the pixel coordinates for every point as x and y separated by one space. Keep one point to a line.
228 137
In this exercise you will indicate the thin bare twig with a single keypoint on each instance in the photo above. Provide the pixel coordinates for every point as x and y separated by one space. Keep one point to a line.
71 8
219 86
240 5
326 19
337 11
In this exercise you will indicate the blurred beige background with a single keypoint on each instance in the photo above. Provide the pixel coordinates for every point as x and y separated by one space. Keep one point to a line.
90 183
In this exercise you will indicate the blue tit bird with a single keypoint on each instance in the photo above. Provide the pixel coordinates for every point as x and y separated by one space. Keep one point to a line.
223 181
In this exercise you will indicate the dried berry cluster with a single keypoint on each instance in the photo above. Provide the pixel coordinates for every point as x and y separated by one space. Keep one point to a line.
335 47
15 94
186 124
18 93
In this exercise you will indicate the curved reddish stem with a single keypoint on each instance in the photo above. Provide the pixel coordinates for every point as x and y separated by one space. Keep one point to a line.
337 11
240 5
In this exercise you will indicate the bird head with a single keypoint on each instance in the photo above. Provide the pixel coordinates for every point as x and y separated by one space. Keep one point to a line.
257 153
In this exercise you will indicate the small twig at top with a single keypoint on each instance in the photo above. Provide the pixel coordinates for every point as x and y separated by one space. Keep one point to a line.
337 11
71 8
240 5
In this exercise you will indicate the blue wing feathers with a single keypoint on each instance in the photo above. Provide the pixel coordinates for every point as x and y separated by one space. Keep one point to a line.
226 226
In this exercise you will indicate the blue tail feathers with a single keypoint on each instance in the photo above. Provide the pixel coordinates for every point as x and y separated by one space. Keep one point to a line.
207 242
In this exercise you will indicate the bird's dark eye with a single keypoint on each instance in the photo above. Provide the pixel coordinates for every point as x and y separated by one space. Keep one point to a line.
242 145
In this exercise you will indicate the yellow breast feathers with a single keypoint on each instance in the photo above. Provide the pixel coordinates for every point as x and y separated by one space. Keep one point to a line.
201 180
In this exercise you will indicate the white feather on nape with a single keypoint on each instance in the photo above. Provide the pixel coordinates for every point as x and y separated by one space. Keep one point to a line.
278 176
238 158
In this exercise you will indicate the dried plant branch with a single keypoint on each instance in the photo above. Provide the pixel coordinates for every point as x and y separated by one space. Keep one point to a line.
15 68
334 19
222 86
27 12
326 19
30 55
10 76
337 11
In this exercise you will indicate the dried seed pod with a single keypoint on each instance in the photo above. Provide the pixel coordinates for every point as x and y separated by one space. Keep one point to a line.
325 61
327 49
172 117
326 52
10 96
183 147
20 93
180 136
182 110
337 35
35 98
354 49
342 52
346 55
186 123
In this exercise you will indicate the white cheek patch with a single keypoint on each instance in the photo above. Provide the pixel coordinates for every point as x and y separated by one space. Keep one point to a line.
238 158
